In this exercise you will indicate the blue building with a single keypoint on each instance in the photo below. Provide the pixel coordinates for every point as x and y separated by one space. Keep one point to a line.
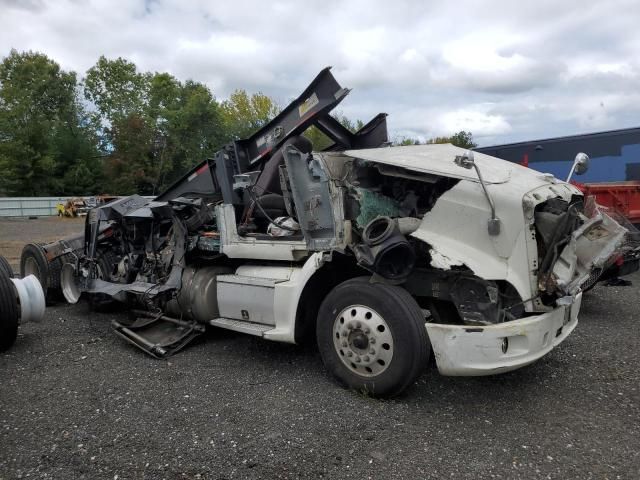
615 155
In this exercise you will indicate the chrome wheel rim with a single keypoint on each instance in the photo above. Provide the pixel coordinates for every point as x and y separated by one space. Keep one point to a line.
363 340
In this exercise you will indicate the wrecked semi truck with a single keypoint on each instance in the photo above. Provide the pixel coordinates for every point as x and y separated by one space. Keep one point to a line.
381 253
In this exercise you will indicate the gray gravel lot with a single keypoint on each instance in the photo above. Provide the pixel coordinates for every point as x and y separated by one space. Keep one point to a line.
15 232
78 402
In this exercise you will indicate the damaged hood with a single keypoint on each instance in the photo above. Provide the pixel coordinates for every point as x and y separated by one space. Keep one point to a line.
438 159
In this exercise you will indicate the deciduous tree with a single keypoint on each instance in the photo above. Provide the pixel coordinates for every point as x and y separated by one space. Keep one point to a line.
42 134
243 114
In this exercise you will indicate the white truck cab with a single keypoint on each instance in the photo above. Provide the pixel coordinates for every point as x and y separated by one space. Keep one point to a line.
481 296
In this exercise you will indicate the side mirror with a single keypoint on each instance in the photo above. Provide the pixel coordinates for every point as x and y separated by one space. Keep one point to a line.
580 165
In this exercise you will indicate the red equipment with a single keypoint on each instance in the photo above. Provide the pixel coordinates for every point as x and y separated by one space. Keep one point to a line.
621 197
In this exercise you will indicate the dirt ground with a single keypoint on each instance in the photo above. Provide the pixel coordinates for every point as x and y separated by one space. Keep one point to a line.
77 402
16 232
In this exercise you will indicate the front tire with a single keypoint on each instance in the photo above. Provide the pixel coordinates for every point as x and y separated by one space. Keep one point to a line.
372 337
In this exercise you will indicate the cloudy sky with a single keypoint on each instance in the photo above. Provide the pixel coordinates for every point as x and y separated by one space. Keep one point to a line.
506 70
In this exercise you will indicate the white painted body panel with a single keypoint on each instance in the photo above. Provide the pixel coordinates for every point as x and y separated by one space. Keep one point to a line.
246 298
269 295
236 246
266 294
438 159
286 297
474 351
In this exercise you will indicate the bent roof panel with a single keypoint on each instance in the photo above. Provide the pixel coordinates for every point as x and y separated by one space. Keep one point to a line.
438 159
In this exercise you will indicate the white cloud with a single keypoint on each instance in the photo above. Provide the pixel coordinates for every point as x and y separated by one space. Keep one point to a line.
480 123
504 70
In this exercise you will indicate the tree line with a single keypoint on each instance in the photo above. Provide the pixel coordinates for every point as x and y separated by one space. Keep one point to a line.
118 130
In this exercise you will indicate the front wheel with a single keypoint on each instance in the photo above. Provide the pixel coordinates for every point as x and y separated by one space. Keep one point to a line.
372 337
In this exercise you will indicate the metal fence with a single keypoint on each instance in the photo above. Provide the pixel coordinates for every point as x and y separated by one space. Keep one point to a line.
40 206
30 206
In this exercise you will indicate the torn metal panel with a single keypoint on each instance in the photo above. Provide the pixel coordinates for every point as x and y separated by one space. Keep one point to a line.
438 260
456 232
591 247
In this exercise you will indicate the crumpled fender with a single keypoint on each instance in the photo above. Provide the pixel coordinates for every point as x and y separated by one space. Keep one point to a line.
456 231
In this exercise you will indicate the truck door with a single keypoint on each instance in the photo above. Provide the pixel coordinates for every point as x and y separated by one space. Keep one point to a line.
319 211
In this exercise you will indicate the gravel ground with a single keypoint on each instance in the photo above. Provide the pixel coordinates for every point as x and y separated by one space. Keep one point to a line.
77 402
15 232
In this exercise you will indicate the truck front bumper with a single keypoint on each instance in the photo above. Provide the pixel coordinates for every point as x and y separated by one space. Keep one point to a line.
462 350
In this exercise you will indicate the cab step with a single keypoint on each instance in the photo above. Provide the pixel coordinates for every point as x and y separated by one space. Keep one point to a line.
250 328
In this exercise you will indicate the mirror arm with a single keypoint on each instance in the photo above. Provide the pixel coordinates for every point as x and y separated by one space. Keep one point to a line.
573 169
467 161
494 222
486 192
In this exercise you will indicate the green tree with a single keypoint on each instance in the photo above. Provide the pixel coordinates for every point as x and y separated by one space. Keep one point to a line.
461 139
154 127
120 95
320 141
191 131
243 114
116 88
404 141
78 162
38 115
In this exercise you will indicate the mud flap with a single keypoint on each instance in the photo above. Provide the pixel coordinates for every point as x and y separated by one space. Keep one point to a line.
159 336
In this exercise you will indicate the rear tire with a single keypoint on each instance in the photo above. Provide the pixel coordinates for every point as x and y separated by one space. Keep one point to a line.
372 337
8 312
5 267
33 261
